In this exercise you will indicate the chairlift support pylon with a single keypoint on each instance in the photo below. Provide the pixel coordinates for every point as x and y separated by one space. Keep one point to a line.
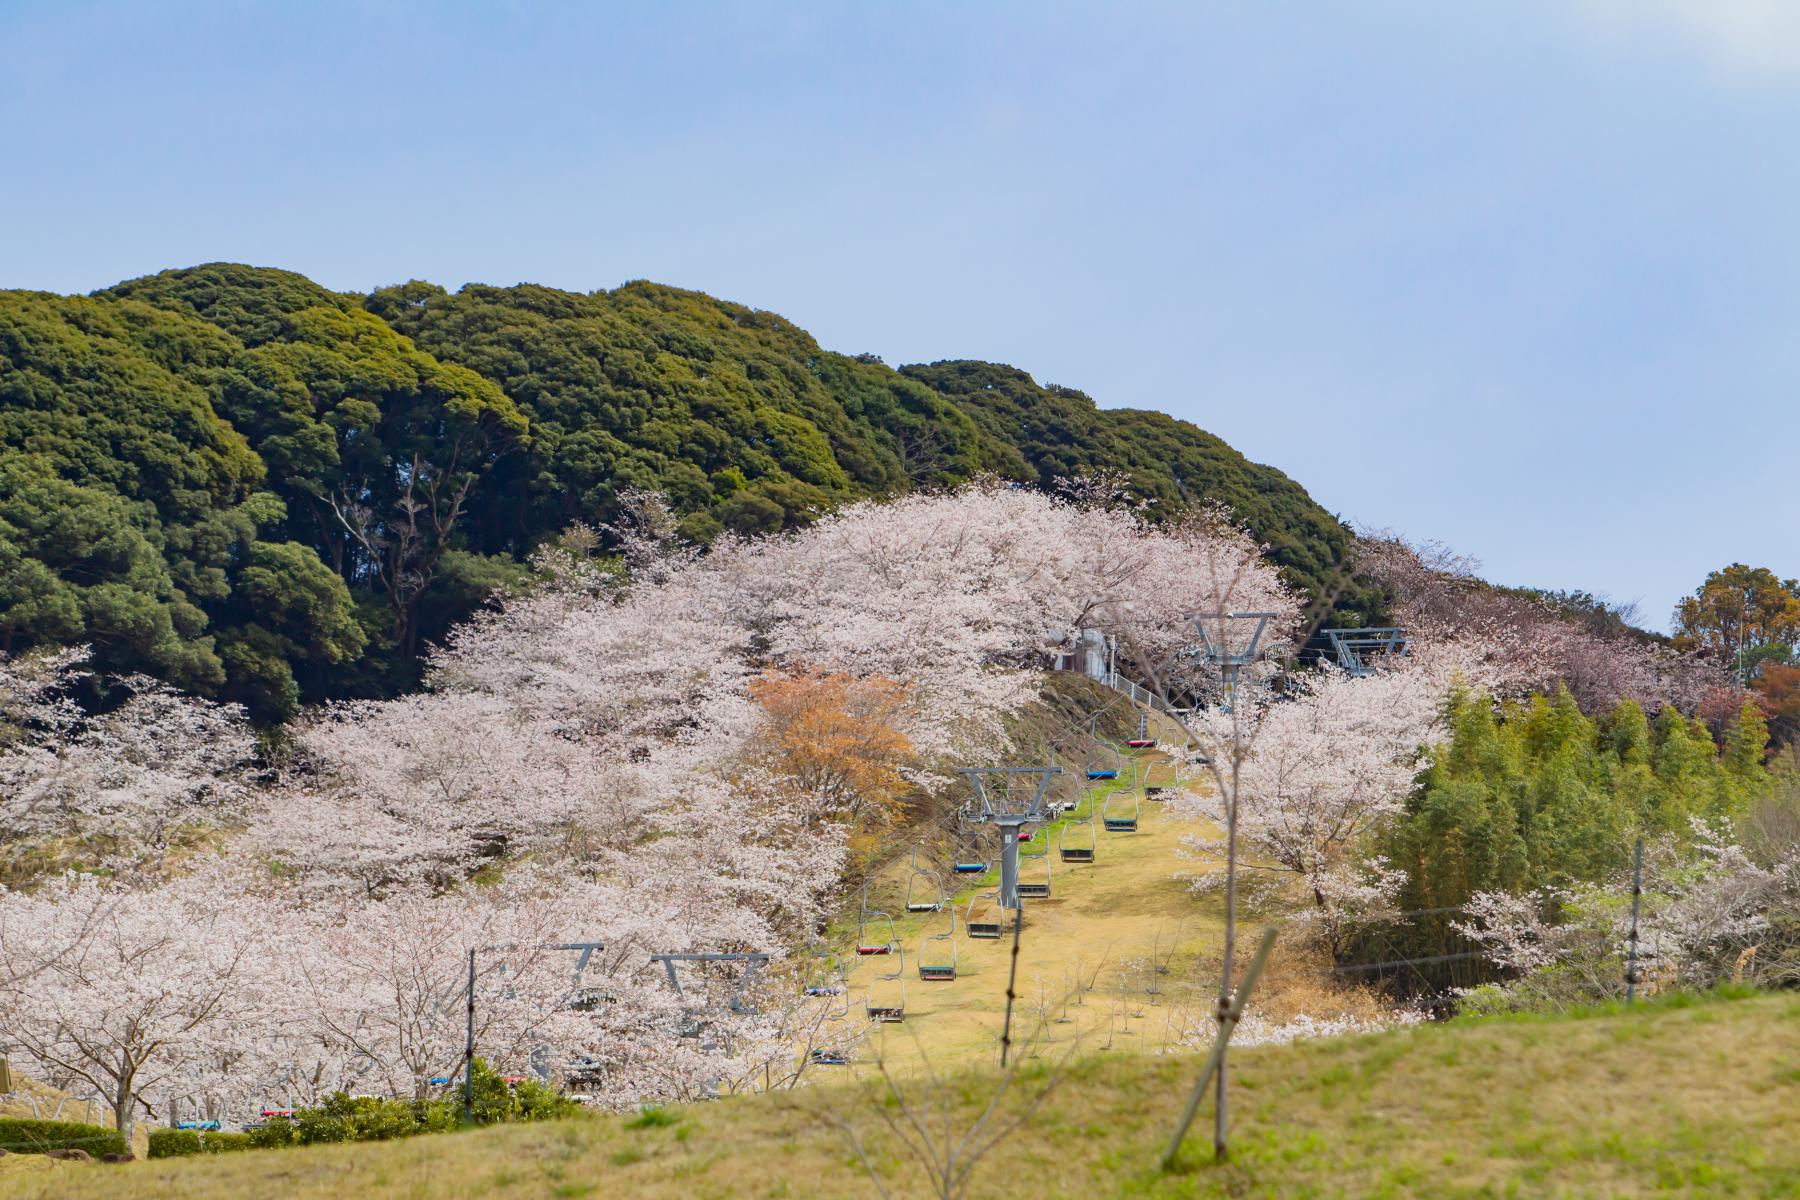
753 961
1352 647
1009 815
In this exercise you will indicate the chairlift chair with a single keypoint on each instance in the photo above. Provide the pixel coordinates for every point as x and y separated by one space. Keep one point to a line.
969 860
823 1057
1036 890
936 966
832 983
980 920
1102 758
895 1011
1116 817
865 944
928 901
1143 740
1082 850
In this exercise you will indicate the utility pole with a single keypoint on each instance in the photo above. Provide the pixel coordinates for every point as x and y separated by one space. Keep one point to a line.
469 1050
1230 661
1637 900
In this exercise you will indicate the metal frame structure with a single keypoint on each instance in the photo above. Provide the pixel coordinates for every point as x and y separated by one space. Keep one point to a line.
1350 645
1009 817
754 962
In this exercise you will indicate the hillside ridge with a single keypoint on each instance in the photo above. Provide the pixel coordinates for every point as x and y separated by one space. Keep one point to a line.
289 493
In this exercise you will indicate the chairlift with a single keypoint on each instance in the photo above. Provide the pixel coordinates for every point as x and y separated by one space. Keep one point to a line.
968 860
927 901
1143 740
981 920
934 965
832 983
1035 890
1078 852
1103 759
821 1057
896 1011
865 944
1116 817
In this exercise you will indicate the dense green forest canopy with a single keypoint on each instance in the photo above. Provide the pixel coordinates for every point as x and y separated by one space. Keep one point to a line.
240 481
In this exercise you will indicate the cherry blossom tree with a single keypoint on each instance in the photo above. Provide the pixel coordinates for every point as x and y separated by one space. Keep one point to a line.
126 988
125 782
1519 641
1331 760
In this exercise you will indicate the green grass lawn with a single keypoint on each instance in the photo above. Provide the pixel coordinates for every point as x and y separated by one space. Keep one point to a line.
1683 1099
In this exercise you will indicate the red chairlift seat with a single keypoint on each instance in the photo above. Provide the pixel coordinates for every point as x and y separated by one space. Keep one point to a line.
885 948
1140 743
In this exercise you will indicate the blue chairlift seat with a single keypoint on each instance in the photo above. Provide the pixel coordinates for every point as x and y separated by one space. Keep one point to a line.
1102 774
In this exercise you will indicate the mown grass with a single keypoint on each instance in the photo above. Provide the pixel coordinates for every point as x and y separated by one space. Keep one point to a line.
1676 1098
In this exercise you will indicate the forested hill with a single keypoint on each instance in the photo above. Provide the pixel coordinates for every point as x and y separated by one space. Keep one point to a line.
260 489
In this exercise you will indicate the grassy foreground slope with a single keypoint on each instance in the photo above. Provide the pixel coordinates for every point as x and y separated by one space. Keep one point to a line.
1669 1099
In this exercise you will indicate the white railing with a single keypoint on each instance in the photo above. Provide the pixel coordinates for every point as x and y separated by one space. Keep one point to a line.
1141 696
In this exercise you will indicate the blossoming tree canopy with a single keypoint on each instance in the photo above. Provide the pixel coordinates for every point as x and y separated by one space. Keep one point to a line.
674 757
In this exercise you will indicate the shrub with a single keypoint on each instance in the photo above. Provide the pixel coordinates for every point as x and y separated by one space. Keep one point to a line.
177 1143
174 1143
21 1136
346 1118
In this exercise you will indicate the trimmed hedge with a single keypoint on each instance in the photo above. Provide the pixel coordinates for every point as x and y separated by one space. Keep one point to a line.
177 1143
20 1135
174 1143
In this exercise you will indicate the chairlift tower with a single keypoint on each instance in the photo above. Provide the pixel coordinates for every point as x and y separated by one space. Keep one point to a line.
1351 645
1217 646
1008 814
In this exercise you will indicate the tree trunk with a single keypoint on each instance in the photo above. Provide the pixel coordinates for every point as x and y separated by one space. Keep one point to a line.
125 1111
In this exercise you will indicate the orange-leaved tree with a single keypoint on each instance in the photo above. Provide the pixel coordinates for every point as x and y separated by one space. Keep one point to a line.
838 737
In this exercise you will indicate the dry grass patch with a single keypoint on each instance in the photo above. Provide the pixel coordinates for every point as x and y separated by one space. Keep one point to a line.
1686 1101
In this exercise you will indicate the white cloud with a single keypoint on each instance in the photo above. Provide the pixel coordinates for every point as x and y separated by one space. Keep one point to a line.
1747 40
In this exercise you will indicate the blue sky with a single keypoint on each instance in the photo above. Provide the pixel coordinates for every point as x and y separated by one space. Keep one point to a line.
1524 278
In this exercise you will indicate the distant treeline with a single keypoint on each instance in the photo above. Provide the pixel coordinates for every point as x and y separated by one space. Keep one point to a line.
256 488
